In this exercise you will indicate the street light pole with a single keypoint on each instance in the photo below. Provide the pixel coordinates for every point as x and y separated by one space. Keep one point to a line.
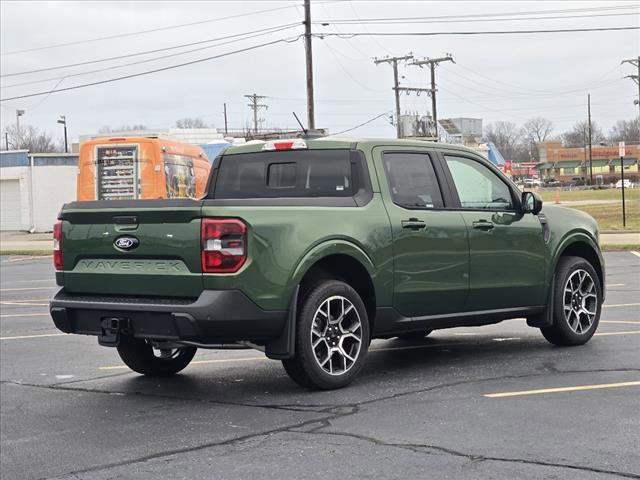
19 113
63 120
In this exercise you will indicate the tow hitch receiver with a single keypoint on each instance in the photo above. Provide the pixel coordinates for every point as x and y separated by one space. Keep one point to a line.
111 328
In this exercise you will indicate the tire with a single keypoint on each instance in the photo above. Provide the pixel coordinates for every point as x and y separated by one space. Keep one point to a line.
139 356
574 328
322 368
415 336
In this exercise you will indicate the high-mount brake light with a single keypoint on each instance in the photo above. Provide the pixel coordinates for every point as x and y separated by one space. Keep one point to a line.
57 245
294 144
224 245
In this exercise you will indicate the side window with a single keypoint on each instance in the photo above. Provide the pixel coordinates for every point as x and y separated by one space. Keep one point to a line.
478 187
412 180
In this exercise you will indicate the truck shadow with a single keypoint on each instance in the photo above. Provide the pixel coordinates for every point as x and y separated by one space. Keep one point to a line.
392 364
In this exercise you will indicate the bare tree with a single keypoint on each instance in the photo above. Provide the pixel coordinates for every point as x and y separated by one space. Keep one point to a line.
191 122
122 128
31 139
507 138
535 131
625 131
578 136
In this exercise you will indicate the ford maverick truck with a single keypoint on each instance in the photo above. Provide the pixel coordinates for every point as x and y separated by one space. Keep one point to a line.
308 249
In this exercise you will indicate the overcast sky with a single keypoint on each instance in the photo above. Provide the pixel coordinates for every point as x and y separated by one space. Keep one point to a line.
510 77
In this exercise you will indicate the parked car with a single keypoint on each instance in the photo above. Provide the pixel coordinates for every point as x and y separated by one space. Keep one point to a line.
627 183
308 249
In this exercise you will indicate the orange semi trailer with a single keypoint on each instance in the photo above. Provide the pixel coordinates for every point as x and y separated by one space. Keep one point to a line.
141 168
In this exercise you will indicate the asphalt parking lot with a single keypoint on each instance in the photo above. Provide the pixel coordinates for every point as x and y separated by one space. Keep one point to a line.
493 402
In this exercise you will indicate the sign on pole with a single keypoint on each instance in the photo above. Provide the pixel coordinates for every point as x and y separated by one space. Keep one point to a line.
621 149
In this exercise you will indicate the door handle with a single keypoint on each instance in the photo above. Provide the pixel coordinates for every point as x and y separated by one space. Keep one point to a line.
413 224
483 225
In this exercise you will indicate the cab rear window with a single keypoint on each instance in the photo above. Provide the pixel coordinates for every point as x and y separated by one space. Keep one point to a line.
307 173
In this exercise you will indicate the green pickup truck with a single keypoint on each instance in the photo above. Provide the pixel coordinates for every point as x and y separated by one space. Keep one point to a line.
309 248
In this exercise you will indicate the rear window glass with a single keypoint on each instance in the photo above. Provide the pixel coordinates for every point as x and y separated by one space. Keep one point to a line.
295 173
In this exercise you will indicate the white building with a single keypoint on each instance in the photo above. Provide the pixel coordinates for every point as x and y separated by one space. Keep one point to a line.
33 188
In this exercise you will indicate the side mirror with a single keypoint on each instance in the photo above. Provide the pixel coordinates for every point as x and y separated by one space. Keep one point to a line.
531 203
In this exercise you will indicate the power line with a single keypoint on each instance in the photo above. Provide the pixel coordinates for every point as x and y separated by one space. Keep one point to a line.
148 72
485 15
476 32
392 21
363 123
276 28
112 67
141 32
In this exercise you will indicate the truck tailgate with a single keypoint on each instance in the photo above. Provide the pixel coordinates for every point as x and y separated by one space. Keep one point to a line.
162 260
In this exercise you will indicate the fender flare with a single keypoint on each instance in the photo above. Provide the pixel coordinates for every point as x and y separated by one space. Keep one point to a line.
283 347
331 247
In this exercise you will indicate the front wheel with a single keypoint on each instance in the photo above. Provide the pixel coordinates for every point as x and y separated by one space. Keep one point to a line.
140 356
577 303
332 337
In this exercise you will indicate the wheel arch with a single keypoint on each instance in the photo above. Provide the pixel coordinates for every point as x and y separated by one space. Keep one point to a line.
581 245
341 260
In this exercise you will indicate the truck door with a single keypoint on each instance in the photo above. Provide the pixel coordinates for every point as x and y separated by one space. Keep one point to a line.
430 248
507 251
117 172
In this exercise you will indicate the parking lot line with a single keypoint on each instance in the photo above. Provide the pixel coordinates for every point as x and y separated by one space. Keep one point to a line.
27 304
21 337
622 305
630 322
637 254
197 362
603 334
11 315
562 389
26 288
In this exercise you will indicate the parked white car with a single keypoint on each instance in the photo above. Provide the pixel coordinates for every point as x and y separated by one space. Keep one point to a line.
627 183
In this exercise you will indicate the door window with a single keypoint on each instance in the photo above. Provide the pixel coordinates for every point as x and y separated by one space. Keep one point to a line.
478 187
412 180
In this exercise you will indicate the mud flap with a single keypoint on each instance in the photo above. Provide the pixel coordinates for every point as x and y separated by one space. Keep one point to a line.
284 346
545 319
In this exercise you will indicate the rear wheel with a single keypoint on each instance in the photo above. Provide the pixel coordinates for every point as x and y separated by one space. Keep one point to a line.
332 337
577 303
415 335
140 356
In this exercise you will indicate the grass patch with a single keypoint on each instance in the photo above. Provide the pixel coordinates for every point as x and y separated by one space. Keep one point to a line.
30 253
577 195
620 248
609 216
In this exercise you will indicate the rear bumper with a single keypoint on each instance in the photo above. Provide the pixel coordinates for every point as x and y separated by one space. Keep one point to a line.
216 316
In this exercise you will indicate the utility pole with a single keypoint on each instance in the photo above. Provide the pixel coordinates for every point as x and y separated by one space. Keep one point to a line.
255 106
311 119
635 78
226 130
589 133
433 63
394 63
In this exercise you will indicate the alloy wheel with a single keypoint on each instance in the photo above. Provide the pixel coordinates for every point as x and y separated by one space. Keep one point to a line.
336 335
580 301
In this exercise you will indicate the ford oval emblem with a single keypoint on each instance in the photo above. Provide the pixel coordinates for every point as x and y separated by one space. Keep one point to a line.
126 242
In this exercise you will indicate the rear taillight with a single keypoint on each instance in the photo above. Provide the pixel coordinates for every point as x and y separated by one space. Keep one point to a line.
224 245
57 245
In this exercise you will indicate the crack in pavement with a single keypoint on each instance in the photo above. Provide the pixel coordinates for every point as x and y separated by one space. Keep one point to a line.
429 450
334 412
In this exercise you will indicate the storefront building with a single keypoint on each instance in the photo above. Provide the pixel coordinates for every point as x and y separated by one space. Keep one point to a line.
572 164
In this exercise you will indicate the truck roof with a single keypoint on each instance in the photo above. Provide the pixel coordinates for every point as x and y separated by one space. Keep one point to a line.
350 142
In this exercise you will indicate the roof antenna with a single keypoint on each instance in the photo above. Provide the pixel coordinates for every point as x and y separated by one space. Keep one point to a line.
304 130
